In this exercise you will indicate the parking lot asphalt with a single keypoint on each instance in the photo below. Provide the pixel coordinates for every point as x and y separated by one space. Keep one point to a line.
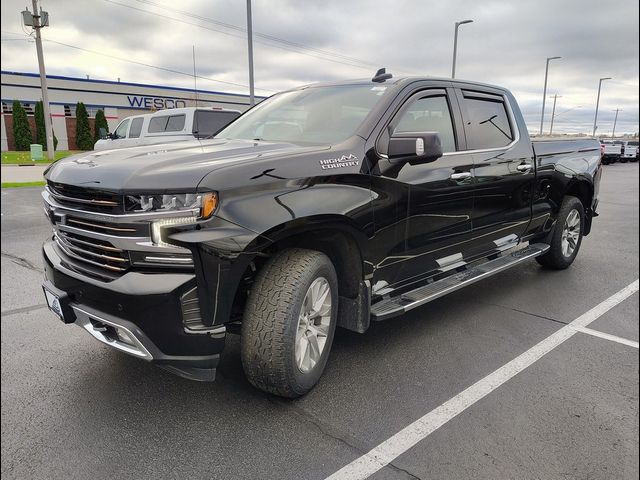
73 408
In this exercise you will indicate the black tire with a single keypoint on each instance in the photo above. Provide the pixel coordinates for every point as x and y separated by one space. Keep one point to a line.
555 257
271 320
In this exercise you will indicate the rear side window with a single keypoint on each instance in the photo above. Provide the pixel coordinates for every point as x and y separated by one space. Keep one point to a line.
167 123
136 127
486 122
429 114
207 123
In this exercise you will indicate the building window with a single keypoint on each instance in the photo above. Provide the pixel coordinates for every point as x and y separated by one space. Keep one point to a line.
70 111
28 107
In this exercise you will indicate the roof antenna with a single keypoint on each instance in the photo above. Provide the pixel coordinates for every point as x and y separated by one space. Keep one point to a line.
381 75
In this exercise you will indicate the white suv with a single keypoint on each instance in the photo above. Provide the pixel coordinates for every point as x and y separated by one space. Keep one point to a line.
166 126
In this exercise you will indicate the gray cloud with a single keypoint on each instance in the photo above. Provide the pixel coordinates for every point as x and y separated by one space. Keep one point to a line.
507 44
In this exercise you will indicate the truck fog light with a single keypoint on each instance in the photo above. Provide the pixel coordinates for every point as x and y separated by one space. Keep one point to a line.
124 337
158 225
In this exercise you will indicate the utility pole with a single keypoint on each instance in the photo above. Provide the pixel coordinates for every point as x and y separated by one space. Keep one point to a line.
613 134
553 112
250 49
195 84
544 92
38 20
595 120
455 46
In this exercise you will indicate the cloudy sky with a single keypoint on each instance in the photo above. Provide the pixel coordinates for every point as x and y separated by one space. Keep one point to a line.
297 42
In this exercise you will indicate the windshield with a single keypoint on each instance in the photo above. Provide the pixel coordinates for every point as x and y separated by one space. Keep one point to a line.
322 115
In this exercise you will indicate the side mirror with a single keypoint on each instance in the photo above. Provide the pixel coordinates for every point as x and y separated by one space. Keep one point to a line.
414 148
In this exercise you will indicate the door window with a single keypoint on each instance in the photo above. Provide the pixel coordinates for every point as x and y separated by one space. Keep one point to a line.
121 131
429 114
136 127
487 123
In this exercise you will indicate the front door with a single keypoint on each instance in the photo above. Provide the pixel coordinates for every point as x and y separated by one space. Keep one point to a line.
435 226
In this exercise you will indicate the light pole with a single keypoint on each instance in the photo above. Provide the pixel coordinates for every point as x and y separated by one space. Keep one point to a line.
595 120
553 111
544 93
455 46
615 121
250 49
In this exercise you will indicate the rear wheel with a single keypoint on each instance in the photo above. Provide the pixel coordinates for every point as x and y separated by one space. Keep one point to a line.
289 322
567 235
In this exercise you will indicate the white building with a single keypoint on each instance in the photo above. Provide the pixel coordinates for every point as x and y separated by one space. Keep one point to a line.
117 99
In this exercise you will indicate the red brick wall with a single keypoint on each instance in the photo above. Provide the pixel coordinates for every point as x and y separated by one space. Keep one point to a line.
8 121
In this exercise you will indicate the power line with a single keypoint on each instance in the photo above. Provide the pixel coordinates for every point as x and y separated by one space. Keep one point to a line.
282 47
165 69
272 38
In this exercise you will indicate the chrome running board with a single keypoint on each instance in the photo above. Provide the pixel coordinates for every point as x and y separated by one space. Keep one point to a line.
395 306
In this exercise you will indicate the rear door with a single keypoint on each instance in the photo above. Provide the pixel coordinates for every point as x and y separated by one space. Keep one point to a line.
503 170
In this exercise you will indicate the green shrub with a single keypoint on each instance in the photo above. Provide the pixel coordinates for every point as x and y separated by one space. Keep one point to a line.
101 122
84 139
21 130
41 131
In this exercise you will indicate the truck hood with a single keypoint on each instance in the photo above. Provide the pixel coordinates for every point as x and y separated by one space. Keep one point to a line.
156 168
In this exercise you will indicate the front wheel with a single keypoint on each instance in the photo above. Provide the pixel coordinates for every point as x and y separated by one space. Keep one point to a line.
567 235
289 322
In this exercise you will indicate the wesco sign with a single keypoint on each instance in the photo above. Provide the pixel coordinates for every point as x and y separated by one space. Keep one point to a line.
157 103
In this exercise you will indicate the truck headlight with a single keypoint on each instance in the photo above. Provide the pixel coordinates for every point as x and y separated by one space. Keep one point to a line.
203 204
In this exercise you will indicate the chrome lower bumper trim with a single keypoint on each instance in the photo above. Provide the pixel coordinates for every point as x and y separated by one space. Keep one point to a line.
136 348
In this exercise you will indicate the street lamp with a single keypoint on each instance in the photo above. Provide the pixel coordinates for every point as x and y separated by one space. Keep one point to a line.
595 120
455 46
615 122
544 93
553 111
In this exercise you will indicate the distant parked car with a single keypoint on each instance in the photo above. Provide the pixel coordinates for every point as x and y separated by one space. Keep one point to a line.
630 151
612 152
167 126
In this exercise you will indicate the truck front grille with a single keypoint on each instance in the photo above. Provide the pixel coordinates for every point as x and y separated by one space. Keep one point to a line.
96 258
96 237
86 198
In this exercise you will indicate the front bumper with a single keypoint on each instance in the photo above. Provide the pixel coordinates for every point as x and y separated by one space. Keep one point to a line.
139 314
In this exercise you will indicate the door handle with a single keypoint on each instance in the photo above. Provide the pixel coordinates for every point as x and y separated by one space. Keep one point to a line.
525 167
460 175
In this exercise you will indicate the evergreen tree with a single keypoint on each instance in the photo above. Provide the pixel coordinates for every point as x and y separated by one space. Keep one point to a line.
84 139
21 130
41 131
41 134
101 122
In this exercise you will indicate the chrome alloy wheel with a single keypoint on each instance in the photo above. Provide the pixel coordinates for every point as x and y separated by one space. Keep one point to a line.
571 233
313 325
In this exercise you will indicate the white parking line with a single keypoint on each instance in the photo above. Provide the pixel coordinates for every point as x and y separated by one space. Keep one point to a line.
393 447
606 336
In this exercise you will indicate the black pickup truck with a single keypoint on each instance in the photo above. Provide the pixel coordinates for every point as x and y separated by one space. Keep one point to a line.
333 204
